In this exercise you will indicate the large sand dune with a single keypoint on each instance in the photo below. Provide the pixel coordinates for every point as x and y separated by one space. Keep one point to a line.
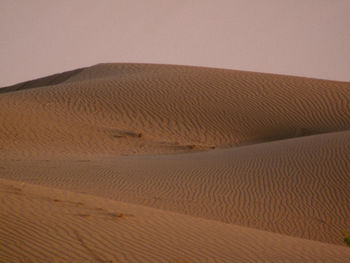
125 109
224 150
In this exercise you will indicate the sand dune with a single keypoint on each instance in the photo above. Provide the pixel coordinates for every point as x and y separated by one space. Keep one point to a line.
214 165
135 108
40 225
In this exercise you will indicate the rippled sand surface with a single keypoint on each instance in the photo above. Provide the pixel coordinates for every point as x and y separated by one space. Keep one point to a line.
162 163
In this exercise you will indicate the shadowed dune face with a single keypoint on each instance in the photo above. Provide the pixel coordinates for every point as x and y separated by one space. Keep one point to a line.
41 82
139 108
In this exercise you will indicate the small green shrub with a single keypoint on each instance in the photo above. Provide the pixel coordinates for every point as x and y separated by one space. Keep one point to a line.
346 236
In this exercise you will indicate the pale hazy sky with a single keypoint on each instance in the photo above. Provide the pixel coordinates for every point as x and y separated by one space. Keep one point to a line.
295 37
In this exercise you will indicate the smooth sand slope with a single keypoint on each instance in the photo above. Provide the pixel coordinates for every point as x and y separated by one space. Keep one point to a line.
222 149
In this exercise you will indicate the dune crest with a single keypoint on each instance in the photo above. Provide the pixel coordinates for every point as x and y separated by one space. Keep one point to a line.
54 79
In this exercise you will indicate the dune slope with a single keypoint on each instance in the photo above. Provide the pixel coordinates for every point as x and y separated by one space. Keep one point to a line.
296 187
40 224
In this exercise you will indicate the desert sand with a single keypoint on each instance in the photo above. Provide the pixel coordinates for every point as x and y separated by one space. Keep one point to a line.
164 163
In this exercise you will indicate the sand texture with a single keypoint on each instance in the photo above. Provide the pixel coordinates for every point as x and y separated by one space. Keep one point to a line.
161 163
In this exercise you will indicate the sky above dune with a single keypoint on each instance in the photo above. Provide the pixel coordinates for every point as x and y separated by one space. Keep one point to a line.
295 37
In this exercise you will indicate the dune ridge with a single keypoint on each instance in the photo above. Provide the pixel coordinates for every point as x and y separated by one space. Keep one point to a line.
191 153
54 79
